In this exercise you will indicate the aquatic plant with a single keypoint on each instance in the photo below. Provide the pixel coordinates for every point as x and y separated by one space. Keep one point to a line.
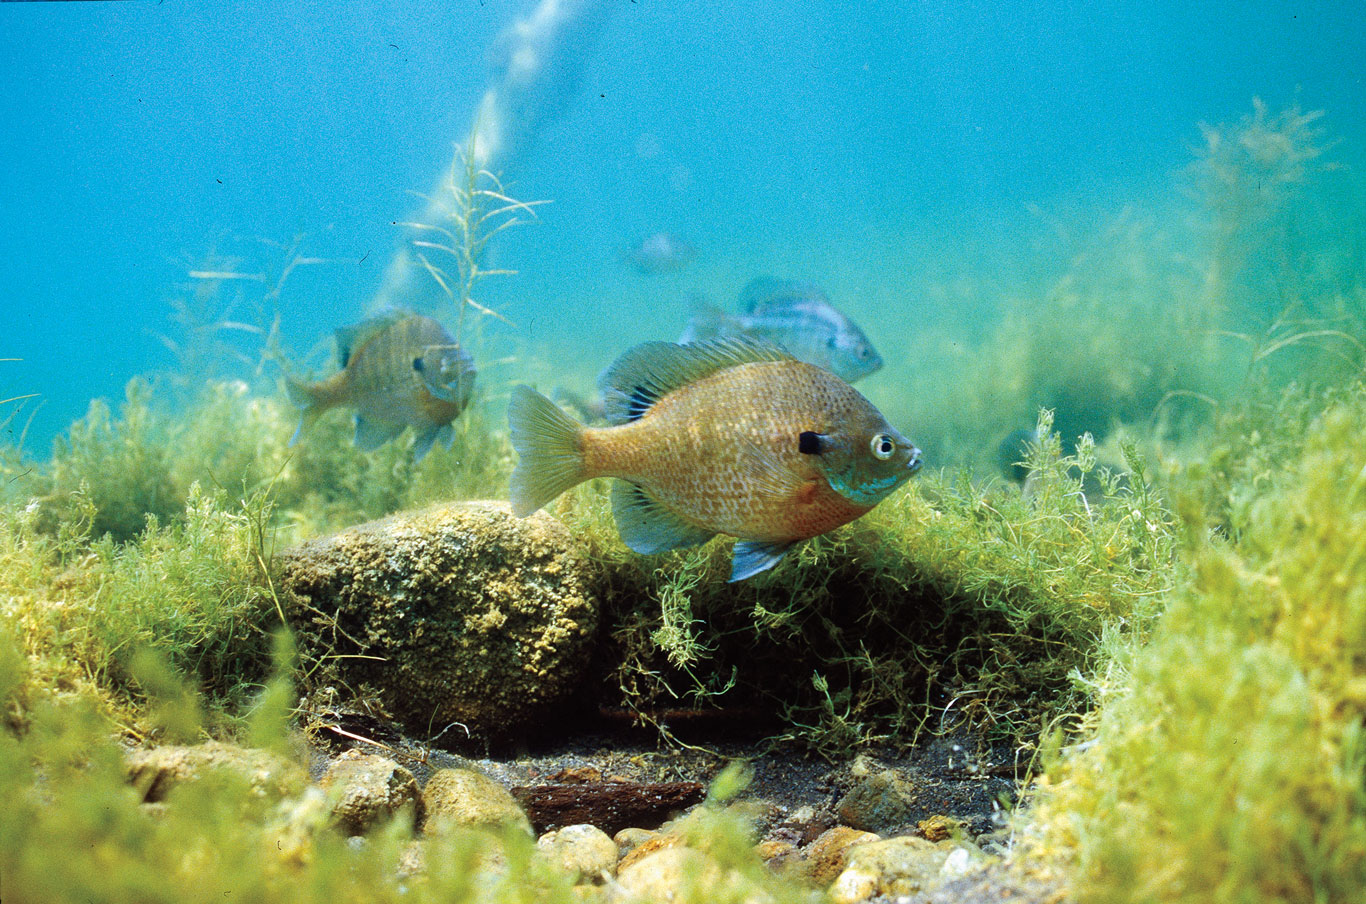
1152 326
970 603
196 593
1228 763
479 208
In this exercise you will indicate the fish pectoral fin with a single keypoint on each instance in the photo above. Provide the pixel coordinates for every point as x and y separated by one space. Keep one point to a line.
766 474
422 444
370 435
754 556
647 526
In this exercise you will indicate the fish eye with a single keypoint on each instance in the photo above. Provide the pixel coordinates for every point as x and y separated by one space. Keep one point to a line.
418 365
883 446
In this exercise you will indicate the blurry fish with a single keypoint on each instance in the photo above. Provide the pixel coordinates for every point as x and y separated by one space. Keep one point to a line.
662 252
399 370
798 317
1012 454
590 411
729 436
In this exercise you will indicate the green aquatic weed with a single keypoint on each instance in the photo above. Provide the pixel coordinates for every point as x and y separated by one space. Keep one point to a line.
1227 763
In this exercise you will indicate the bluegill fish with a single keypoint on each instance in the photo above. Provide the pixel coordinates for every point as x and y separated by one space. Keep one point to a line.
400 370
797 316
662 252
729 436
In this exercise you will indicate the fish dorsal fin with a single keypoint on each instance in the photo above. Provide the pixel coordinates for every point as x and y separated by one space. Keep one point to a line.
652 370
351 338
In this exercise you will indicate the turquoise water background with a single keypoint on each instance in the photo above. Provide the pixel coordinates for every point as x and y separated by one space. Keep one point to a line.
923 163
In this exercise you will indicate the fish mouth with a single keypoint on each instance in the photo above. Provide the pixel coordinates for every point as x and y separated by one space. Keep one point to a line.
914 464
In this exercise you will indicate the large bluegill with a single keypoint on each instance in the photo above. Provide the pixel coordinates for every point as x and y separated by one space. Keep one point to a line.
726 436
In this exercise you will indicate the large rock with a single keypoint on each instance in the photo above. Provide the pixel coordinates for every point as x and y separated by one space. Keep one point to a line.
456 613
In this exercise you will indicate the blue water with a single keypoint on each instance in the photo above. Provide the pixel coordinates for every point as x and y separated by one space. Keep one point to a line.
916 160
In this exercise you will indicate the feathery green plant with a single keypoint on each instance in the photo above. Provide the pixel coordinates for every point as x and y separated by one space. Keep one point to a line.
1229 762
480 208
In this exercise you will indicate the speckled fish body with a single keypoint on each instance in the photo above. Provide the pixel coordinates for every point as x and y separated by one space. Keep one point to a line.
726 436
723 451
403 370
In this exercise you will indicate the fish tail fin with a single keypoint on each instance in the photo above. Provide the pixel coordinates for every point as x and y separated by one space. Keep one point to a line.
550 457
311 398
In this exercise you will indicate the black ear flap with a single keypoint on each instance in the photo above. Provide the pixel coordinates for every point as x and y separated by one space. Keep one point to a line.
810 443
417 365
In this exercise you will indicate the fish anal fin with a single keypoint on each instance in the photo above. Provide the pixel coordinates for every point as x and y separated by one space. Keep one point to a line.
755 556
649 527
371 434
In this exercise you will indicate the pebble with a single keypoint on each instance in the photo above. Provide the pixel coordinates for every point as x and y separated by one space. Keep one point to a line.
583 851
369 790
463 797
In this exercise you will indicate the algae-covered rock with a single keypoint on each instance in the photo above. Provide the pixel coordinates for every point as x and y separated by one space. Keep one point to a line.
463 797
156 771
879 801
456 613
827 855
368 790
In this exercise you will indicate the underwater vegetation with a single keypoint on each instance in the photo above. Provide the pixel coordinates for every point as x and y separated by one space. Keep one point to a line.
1166 619
1150 327
1227 763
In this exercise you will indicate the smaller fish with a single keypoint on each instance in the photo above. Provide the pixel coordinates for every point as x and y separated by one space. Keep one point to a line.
399 370
797 316
662 252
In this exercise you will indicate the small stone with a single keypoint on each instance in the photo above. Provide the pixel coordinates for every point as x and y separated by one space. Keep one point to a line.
463 797
853 886
630 838
657 841
957 865
661 876
582 850
827 855
906 865
778 854
878 802
938 828
369 790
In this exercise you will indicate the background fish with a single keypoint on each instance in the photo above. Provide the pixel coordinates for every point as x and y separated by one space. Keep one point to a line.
400 370
797 316
662 252
725 436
